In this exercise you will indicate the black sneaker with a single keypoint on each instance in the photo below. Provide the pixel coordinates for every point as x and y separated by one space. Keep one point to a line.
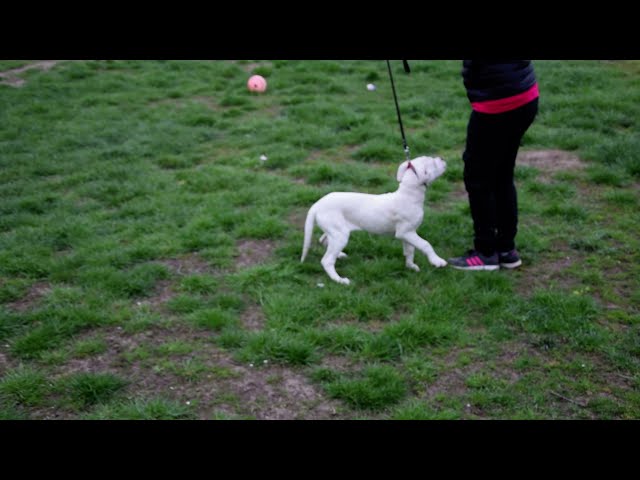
510 259
475 261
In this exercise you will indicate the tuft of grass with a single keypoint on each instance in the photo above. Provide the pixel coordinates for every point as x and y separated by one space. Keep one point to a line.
190 369
278 348
418 410
90 347
185 303
377 387
420 369
415 333
176 347
13 289
54 325
213 319
87 389
11 413
199 284
24 386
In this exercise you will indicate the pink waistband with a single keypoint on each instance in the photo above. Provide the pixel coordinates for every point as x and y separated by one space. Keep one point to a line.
505 104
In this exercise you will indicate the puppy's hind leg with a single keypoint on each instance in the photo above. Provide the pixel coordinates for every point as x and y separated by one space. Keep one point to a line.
409 251
323 240
336 242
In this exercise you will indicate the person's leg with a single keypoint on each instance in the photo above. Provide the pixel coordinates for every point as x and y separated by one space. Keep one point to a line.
489 162
479 179
515 125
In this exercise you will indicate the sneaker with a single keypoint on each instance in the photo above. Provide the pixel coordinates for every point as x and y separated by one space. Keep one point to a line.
510 259
475 261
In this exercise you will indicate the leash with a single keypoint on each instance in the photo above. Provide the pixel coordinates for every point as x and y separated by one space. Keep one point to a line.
395 98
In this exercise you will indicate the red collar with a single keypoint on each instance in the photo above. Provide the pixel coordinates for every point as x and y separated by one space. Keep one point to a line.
409 165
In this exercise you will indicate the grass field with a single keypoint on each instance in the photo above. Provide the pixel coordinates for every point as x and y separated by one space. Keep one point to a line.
149 260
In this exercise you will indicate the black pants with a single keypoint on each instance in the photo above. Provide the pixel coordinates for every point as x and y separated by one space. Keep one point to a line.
489 161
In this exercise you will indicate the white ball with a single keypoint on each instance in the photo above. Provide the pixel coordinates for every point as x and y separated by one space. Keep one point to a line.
371 87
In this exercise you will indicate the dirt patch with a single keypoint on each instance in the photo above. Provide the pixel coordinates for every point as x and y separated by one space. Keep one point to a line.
545 271
250 67
35 293
253 252
279 393
349 150
188 265
452 380
341 364
163 292
511 351
608 384
298 217
264 391
459 193
253 318
4 363
372 326
316 155
13 79
548 162
208 102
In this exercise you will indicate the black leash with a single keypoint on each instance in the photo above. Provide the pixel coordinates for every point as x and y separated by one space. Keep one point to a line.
395 98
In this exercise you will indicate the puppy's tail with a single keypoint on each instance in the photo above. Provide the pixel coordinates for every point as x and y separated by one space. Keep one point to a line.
308 232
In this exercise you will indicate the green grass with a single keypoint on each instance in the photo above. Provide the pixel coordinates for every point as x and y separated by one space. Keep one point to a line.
90 347
417 410
87 389
23 386
151 409
128 187
376 388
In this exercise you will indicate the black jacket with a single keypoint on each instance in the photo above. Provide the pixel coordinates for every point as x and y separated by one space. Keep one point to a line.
491 80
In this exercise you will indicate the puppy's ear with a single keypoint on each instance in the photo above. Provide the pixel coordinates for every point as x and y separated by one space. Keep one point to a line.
402 169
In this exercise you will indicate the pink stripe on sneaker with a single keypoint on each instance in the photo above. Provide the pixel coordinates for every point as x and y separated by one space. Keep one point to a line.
475 261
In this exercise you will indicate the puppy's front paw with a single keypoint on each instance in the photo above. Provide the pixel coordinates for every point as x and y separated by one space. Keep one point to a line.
438 262
343 280
413 267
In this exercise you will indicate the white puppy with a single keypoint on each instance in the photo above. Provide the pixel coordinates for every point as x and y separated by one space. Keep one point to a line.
399 213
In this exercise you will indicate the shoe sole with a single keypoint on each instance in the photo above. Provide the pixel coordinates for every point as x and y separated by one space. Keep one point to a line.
480 267
511 265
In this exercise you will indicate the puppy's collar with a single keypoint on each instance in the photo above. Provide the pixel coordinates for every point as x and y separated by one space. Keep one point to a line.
410 165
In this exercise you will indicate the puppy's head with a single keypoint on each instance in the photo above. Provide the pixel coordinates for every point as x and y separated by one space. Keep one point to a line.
425 170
